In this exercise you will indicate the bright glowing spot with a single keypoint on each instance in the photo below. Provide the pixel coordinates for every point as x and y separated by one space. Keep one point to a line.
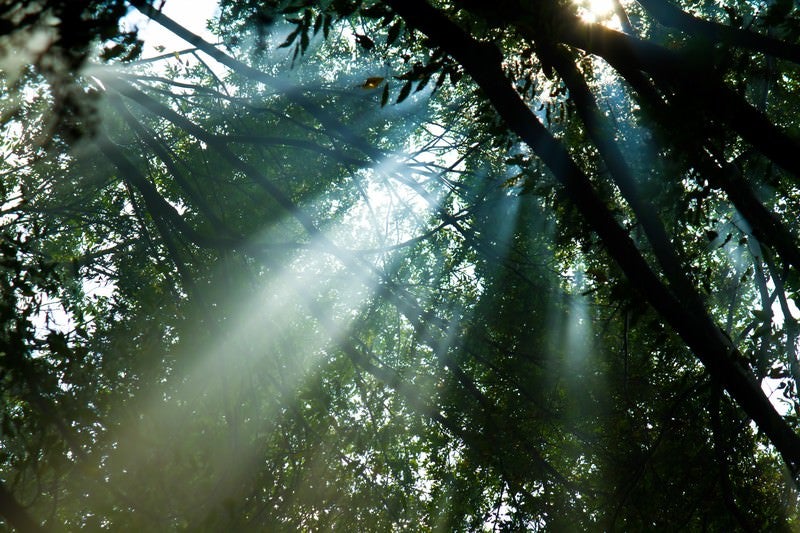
601 7
192 15
595 10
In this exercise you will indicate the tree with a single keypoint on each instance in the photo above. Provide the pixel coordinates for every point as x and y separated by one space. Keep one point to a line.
403 265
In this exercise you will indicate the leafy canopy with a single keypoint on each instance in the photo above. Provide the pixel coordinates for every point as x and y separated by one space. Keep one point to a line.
398 265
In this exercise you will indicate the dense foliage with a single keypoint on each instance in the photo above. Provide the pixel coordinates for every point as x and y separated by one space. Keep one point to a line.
402 265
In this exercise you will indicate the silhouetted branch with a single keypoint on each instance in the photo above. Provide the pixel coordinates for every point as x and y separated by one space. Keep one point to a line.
670 15
483 63
15 515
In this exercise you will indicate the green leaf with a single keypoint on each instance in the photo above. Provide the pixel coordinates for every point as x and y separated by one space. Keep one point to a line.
762 330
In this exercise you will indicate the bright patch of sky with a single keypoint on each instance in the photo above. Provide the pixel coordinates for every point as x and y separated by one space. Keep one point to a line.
191 14
162 43
601 11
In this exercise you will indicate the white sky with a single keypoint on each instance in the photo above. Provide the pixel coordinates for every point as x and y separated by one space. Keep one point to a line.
192 14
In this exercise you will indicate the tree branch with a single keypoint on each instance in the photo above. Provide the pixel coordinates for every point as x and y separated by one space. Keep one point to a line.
483 63
672 16
15 514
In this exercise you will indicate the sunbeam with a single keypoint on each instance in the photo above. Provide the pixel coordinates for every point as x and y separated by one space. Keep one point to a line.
401 265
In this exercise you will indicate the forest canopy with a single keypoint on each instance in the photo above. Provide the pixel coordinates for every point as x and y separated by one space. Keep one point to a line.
403 265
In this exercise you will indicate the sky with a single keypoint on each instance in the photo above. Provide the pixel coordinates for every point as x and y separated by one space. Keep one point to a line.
192 14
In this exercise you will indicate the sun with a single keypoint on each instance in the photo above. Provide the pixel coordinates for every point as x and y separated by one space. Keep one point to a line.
595 10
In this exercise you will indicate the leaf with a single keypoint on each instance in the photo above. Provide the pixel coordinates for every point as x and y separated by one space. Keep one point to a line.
404 92
110 53
516 159
385 95
440 80
778 11
423 82
762 330
375 11
365 42
304 41
290 39
318 23
326 25
778 373
57 343
372 82
394 32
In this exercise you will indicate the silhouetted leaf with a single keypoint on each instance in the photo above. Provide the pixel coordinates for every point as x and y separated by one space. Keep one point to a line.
318 23
404 92
394 32
365 42
385 95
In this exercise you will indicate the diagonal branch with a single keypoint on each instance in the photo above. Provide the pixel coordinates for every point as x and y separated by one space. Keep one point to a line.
601 133
766 225
681 73
674 17
484 63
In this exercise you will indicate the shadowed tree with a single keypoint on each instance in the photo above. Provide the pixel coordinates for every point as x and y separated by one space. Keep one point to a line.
411 265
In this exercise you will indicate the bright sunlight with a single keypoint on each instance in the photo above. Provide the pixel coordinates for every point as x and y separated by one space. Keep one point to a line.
595 10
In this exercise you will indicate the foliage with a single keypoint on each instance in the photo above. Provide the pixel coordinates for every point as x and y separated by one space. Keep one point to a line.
405 266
